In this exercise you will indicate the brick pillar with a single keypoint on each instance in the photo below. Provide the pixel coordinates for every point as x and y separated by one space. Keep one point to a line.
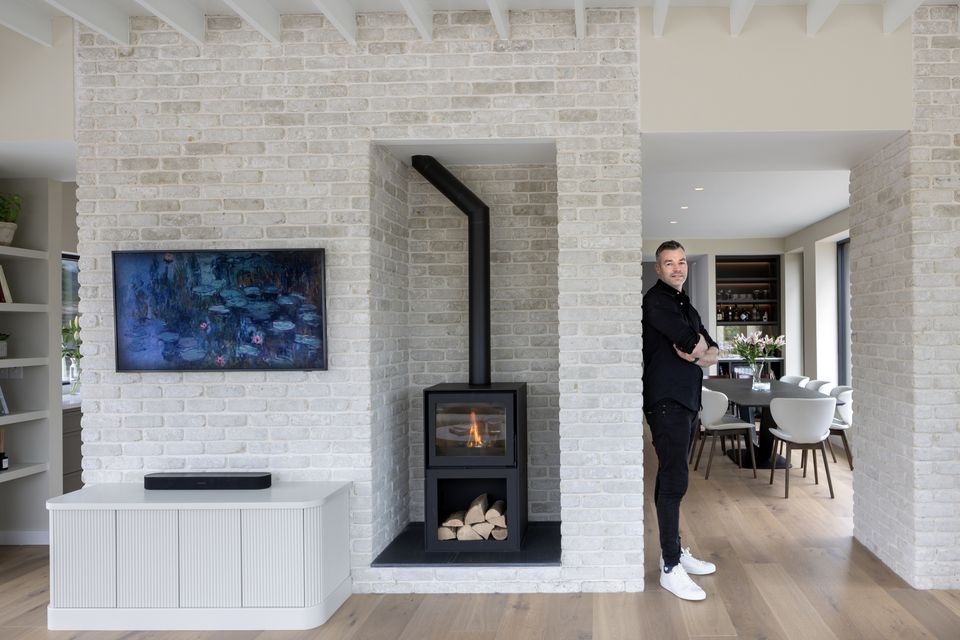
905 272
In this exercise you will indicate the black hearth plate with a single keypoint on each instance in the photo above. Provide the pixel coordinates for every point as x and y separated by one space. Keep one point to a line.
540 548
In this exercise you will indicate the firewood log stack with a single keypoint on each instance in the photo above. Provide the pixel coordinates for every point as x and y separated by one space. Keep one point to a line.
480 521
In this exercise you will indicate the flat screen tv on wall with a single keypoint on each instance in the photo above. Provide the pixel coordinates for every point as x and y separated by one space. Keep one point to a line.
208 310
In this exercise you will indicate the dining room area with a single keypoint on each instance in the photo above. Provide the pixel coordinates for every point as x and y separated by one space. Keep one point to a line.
788 462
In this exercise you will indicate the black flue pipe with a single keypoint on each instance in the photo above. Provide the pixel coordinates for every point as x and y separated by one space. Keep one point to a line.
478 243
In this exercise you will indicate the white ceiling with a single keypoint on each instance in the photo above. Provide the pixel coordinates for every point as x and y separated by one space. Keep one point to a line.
756 185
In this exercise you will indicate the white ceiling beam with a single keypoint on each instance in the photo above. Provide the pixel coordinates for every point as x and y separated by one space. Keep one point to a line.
27 21
259 14
98 15
341 15
580 18
421 15
739 12
501 18
659 16
818 11
896 12
183 15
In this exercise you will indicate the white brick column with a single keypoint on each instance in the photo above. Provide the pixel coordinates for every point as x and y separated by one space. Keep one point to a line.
905 286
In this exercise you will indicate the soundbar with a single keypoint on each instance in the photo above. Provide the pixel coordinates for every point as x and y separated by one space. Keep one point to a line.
179 481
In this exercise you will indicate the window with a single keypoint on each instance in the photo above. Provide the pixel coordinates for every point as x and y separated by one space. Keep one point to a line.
844 362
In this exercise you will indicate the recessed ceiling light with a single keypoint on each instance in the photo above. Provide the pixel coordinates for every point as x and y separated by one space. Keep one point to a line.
684 207
673 222
698 188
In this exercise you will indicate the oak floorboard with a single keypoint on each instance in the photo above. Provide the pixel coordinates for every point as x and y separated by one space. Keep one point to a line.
936 617
749 613
949 599
525 617
851 604
389 617
342 625
797 617
653 615
569 616
481 614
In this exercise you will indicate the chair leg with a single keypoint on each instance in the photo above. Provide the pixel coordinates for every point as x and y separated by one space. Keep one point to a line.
786 475
736 439
803 462
713 442
753 457
693 447
703 441
826 469
846 447
813 454
773 457
832 454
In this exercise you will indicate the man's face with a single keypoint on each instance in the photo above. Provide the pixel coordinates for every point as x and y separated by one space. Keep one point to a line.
672 267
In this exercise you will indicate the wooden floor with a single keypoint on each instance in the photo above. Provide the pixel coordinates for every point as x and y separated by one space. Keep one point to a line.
787 569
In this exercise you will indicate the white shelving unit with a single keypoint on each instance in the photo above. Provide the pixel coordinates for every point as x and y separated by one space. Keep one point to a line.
30 375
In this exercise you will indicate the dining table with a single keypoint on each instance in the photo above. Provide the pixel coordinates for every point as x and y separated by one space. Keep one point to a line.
740 392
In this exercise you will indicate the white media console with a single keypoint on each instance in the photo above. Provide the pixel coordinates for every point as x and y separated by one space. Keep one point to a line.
122 557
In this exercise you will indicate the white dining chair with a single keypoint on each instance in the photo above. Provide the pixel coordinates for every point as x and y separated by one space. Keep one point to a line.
797 380
716 422
804 424
842 421
818 385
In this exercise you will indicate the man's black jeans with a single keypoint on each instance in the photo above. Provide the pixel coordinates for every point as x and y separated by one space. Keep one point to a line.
671 424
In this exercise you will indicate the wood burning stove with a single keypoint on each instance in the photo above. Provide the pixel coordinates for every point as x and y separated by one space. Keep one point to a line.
476 433
476 443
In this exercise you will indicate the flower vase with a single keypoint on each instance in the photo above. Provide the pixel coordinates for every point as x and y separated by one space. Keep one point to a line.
760 380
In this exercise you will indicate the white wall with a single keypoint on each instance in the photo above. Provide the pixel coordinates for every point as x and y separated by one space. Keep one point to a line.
37 81
818 245
773 77
68 223
793 313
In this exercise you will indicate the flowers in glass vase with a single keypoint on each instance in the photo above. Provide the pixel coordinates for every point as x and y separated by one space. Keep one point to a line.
756 345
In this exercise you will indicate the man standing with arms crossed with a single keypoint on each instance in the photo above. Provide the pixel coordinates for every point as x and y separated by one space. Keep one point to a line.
675 347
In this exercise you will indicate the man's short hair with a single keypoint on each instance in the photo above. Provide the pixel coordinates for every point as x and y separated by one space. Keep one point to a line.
669 245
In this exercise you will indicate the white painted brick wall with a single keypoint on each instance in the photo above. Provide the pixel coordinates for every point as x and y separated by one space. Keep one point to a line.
389 349
905 272
242 143
523 316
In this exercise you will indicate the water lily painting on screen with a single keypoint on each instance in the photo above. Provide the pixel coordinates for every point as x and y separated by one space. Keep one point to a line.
213 310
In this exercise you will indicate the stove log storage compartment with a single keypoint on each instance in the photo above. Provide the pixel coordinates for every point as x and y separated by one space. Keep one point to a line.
476 433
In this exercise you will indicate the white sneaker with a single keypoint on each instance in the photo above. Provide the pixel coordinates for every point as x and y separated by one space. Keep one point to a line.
691 565
679 584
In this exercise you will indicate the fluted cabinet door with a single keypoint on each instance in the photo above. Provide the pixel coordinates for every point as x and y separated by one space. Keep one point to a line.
147 567
210 558
83 561
272 557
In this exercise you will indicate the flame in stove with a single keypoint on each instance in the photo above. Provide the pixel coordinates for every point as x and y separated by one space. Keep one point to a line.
474 441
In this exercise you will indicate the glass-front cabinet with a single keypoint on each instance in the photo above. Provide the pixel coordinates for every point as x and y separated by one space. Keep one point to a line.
748 300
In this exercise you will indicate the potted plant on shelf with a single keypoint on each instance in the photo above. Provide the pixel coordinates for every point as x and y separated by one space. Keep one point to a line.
70 350
755 348
10 205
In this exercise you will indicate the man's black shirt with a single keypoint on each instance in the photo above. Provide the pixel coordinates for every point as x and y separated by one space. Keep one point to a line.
669 319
